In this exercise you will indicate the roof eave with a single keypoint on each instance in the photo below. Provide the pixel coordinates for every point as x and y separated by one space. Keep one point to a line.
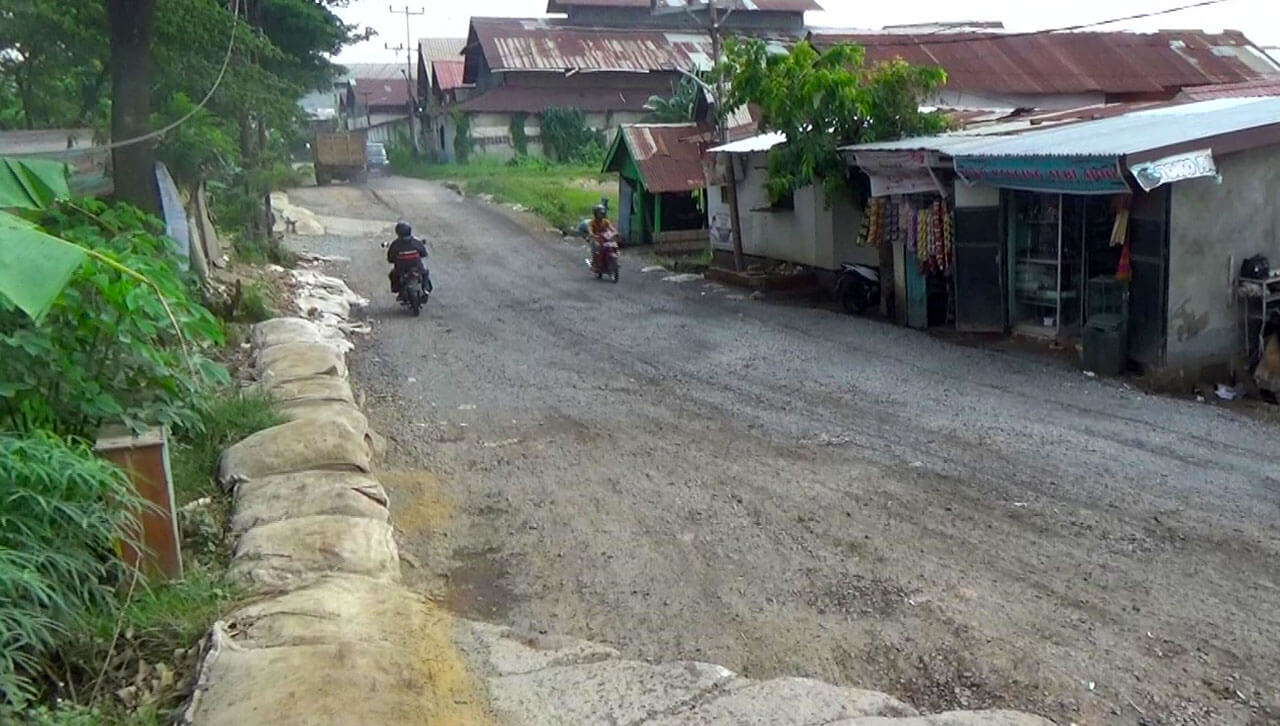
1221 144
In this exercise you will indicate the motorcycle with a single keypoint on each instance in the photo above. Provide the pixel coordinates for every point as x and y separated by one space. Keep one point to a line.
604 257
857 287
414 290
415 287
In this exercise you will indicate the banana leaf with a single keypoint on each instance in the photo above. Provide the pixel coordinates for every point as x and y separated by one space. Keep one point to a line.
32 183
34 266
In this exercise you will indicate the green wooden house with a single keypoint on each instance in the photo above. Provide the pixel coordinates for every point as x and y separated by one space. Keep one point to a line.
661 182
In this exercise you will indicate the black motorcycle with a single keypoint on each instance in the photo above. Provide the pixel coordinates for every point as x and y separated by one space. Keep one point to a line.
857 287
415 289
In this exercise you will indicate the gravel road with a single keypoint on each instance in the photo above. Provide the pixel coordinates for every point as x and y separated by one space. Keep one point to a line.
682 472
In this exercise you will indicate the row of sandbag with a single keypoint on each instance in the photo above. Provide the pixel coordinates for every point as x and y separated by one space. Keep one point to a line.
328 636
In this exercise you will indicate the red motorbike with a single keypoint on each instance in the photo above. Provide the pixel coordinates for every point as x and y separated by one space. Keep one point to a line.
604 256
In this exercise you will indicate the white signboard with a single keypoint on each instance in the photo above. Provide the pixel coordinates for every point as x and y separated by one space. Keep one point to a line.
898 172
1191 165
914 181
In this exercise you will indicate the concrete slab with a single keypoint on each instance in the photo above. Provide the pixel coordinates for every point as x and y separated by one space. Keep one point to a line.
611 692
786 702
495 650
953 718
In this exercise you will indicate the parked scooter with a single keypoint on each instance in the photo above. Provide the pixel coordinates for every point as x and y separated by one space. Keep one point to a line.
857 287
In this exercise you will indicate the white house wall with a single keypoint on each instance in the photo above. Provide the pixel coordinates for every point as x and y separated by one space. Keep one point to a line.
1214 227
491 131
813 234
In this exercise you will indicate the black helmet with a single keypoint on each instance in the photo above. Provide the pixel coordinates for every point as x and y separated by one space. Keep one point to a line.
403 229
600 210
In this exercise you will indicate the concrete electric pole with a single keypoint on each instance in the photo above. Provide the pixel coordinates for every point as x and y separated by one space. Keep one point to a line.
408 13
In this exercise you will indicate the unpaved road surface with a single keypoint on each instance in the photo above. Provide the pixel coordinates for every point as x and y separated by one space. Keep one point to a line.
685 473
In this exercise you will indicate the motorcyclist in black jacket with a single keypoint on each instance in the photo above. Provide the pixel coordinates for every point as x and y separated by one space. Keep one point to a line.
405 252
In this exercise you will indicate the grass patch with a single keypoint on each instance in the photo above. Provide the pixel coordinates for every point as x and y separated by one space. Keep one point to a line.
562 194
118 657
226 420
253 305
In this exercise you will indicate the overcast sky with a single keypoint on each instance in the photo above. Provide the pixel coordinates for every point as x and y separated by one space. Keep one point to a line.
1259 19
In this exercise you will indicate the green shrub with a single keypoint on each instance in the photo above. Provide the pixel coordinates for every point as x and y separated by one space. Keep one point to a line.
567 138
60 512
107 350
463 144
253 305
519 139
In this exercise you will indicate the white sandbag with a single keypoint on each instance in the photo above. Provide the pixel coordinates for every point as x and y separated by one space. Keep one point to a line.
334 609
283 330
331 410
292 553
285 357
306 494
340 684
301 445
311 388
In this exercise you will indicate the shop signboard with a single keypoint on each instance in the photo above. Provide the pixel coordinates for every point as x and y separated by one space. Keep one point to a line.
1061 174
1179 167
899 172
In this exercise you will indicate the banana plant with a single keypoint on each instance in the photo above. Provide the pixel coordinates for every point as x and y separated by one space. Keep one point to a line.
35 266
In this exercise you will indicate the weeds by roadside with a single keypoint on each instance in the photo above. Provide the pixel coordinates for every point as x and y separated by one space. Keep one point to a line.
562 194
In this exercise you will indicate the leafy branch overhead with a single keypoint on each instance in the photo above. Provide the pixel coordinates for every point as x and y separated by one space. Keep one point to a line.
824 100
678 107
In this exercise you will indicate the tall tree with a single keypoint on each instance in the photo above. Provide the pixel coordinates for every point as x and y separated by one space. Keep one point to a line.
53 57
822 101
133 165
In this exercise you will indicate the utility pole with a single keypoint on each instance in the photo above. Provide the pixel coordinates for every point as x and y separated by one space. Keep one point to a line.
715 27
408 69
368 117
722 127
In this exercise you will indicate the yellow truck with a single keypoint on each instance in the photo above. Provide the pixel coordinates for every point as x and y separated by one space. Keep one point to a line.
342 155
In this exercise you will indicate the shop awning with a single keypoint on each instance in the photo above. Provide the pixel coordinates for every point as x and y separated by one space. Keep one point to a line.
1092 156
1060 174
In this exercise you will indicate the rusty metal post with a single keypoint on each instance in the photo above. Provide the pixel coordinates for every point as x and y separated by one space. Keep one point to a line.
145 459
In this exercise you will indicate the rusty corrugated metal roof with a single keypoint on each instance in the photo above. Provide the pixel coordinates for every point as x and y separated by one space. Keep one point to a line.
1061 63
666 161
785 6
514 44
382 92
446 75
589 99
1245 89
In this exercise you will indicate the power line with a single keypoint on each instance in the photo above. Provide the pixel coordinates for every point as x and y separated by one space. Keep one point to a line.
922 38
222 72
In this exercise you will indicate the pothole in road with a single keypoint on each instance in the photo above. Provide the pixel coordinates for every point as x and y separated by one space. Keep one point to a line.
478 586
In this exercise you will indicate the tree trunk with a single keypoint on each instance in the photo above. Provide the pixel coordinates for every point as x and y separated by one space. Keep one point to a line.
23 81
90 93
133 166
